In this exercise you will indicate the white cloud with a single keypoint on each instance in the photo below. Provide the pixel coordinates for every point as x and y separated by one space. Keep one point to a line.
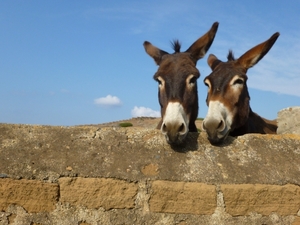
108 101
143 111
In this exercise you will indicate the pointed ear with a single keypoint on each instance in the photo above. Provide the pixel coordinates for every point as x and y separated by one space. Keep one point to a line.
213 61
154 52
251 57
199 48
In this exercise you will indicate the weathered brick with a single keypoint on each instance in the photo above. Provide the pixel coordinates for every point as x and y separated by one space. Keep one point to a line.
98 192
264 199
296 221
33 196
183 197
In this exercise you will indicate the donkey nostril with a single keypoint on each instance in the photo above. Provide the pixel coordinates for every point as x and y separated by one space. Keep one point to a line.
181 128
164 128
220 126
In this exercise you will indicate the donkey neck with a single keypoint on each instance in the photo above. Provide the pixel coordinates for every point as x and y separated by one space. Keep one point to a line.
256 124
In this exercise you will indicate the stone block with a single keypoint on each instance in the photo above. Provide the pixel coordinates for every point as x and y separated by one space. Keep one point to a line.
98 192
183 197
33 196
289 121
296 221
263 199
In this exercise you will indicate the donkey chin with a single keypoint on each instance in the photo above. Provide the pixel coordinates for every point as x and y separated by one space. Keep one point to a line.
217 130
175 125
217 138
174 137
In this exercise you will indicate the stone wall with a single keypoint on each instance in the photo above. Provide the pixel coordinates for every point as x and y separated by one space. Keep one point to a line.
87 175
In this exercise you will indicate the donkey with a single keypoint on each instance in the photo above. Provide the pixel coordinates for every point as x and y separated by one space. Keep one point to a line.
177 85
229 111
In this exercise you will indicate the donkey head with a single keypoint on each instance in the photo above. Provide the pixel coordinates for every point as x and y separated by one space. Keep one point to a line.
227 96
177 85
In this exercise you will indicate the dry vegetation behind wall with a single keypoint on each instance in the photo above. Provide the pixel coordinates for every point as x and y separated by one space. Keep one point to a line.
91 175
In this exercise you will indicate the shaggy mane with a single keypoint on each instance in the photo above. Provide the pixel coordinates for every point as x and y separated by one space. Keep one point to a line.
176 45
230 56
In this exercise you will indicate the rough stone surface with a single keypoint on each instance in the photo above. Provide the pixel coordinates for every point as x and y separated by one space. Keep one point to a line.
47 153
114 175
95 193
264 199
181 197
289 121
296 221
33 196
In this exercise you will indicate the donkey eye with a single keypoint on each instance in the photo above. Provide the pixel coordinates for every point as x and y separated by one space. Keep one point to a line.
193 80
239 81
160 81
207 83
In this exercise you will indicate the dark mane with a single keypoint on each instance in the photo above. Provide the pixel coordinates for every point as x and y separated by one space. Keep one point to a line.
230 56
176 45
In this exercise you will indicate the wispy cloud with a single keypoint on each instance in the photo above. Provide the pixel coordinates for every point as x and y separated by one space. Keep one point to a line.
143 111
108 101
279 71
113 13
144 16
65 91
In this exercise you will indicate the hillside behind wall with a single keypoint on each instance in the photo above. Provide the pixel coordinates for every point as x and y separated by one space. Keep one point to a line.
87 175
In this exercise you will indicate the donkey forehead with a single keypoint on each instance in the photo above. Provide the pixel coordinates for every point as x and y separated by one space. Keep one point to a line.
178 64
224 73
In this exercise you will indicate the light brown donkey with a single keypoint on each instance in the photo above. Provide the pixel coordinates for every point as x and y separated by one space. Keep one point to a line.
177 85
229 111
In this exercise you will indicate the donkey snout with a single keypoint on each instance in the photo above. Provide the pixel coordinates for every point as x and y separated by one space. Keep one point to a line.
213 125
216 129
175 123
175 133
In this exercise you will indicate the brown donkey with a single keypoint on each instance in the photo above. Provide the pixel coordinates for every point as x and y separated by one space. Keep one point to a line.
177 85
229 112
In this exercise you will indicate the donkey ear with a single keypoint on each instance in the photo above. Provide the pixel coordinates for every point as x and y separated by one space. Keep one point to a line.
213 61
251 57
199 48
154 52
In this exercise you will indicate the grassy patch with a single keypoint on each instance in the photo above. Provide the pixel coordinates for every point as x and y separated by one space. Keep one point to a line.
125 124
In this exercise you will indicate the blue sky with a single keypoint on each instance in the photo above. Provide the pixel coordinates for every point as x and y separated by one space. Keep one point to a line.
83 62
